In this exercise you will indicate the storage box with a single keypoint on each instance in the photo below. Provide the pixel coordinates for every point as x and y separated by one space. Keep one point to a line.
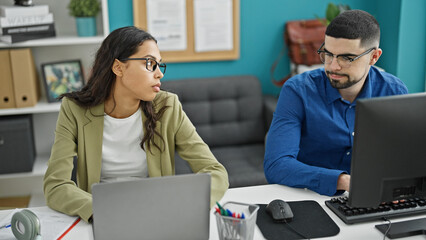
17 150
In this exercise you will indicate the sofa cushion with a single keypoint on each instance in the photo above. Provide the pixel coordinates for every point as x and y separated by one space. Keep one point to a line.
226 110
229 115
244 164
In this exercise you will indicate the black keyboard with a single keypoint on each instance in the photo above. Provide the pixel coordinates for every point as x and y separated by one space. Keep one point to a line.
350 215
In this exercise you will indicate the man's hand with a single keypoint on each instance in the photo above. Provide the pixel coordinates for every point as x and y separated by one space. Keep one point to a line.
343 182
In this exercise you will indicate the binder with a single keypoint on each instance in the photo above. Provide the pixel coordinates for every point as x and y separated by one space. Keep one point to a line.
24 75
7 97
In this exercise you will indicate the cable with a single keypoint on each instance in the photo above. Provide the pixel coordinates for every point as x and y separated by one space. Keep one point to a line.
294 230
389 227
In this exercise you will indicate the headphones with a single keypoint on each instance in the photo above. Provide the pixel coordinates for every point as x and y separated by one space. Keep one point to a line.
26 226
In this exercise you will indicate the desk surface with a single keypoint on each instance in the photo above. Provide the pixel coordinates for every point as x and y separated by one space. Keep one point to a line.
265 194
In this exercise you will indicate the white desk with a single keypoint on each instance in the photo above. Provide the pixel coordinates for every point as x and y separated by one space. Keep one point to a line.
265 194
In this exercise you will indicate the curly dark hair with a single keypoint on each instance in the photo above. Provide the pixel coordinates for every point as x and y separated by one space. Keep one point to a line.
355 24
120 43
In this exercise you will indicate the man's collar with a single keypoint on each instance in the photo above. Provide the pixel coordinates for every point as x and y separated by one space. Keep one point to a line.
331 93
367 89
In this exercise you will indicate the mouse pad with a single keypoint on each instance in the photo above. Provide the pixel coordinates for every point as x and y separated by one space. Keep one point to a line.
309 219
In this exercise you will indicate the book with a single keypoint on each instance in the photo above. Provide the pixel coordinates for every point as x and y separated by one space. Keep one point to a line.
25 20
14 10
28 29
21 37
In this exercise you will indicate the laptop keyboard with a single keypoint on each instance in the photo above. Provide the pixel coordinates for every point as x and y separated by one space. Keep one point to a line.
401 208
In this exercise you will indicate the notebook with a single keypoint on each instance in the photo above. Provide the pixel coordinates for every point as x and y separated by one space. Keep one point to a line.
172 207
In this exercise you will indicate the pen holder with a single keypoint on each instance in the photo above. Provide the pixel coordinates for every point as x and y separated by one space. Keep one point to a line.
234 228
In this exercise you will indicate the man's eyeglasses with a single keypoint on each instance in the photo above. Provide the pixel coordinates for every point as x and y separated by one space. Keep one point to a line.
150 64
344 60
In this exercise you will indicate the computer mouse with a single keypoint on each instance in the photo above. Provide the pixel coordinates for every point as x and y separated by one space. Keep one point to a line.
280 211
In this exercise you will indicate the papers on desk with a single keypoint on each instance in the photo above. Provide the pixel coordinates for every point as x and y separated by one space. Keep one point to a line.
53 223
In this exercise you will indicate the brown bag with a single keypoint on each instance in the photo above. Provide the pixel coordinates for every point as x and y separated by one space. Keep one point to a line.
303 38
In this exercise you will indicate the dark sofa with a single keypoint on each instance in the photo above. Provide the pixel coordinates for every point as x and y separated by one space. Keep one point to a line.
232 116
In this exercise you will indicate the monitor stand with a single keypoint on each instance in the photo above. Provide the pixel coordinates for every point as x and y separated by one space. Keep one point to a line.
404 228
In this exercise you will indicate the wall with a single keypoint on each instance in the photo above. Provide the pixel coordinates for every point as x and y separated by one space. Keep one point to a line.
262 25
389 30
120 13
412 44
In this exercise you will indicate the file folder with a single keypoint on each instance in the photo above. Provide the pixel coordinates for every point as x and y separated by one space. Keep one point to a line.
25 80
7 97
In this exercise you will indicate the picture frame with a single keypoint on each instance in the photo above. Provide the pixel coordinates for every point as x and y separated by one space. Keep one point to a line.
62 77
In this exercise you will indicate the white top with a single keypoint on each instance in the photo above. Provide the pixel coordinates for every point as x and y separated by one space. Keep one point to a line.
122 156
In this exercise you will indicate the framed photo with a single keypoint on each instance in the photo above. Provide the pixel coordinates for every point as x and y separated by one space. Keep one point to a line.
62 77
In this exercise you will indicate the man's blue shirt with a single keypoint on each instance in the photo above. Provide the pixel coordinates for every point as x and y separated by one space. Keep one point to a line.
309 143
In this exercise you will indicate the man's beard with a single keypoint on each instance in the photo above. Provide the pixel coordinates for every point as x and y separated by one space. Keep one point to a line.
341 84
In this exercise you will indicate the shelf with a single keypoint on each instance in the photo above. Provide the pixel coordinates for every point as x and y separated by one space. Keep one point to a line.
56 41
66 33
40 107
25 183
65 46
40 167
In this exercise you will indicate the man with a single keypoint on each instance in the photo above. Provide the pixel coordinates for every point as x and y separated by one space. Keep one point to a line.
309 144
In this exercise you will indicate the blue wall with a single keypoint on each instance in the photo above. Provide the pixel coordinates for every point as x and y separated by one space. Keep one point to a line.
261 33
412 44
389 30
120 13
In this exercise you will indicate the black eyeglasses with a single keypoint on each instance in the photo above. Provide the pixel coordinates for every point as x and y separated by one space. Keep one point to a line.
344 60
150 64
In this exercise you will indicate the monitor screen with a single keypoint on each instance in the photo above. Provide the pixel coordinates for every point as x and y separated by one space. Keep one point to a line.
389 151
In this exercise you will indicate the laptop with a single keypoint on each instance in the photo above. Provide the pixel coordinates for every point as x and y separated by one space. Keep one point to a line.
171 207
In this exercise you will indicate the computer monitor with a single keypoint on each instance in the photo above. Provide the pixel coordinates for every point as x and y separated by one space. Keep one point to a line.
389 150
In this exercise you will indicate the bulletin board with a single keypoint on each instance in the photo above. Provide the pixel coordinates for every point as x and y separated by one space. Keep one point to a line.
190 54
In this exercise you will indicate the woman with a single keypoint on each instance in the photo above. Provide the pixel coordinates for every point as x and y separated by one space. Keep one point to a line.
121 126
